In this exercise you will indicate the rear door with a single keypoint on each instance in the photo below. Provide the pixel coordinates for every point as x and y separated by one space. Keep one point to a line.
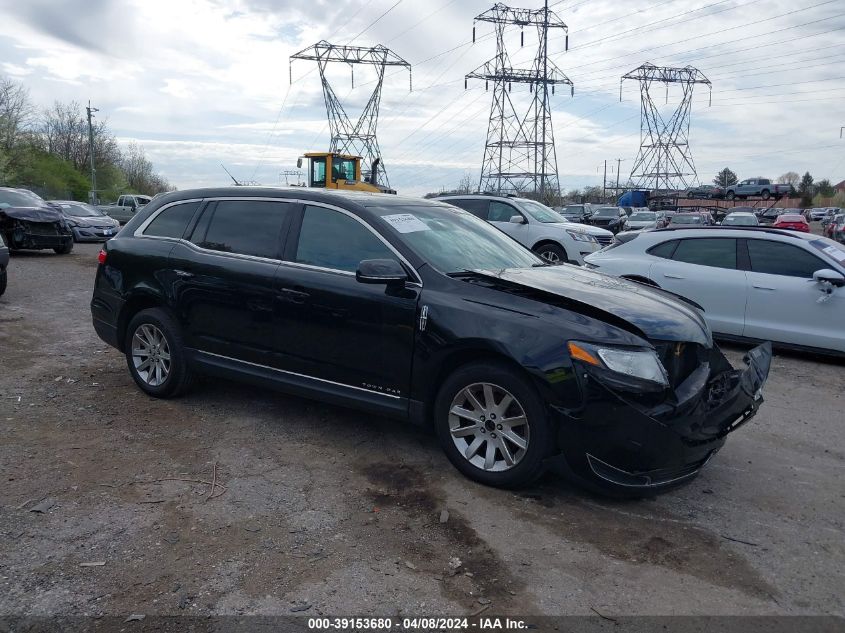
705 270
783 300
223 285
332 328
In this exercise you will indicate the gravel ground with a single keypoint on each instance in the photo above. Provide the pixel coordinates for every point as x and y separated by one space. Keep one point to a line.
107 504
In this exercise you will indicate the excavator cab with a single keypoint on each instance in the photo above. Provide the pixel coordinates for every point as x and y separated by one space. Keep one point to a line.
340 171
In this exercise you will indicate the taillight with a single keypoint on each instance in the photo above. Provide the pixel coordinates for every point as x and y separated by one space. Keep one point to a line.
101 256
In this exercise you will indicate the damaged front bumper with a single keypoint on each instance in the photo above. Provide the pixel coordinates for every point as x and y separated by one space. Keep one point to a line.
38 235
626 436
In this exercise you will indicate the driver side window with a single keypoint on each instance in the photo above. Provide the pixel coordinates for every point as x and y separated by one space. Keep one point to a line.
501 212
777 258
331 239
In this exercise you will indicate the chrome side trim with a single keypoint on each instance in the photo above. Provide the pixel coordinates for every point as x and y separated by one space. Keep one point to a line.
293 373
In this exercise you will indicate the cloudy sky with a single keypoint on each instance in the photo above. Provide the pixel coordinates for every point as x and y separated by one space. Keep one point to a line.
203 82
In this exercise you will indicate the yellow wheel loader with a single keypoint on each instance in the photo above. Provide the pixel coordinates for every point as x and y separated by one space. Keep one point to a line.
339 171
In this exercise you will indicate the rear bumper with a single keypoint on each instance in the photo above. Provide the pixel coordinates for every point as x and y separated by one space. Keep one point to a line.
618 444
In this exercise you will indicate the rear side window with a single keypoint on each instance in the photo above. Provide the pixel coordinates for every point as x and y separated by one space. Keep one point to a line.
664 249
715 252
777 258
474 205
331 239
246 227
173 221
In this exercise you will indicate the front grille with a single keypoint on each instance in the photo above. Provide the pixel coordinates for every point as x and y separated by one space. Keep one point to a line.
604 240
41 228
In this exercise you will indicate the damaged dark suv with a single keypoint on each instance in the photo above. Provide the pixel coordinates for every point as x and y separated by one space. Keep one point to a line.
418 310
27 222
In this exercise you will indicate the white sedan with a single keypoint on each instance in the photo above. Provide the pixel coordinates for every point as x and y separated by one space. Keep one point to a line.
758 284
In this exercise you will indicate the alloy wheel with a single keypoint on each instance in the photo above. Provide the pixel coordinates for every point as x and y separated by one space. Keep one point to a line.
551 257
151 354
489 427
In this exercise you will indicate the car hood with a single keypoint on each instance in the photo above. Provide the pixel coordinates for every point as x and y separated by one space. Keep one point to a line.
87 220
641 224
586 228
656 314
32 214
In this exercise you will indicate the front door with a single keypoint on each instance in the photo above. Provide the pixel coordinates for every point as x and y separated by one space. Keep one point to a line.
334 328
783 300
223 289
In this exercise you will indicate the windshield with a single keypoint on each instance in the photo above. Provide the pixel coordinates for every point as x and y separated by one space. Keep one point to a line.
741 220
10 198
453 240
649 216
606 212
539 212
80 210
686 219
574 209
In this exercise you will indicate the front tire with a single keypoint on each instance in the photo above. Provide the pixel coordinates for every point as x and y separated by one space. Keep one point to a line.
155 354
3 281
730 195
64 250
492 425
552 253
765 194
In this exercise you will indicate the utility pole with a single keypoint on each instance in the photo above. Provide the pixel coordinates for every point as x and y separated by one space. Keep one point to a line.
93 194
618 168
604 183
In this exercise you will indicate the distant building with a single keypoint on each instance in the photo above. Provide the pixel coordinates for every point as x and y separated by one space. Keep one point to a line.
839 188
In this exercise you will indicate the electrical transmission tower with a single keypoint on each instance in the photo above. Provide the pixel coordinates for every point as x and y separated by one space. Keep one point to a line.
520 154
664 162
358 139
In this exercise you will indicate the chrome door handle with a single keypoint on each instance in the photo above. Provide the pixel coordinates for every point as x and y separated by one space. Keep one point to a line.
672 276
184 274
763 287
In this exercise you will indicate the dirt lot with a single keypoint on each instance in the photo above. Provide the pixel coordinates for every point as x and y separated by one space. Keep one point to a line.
106 504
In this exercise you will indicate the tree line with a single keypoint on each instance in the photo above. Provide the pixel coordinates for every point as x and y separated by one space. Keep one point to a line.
48 150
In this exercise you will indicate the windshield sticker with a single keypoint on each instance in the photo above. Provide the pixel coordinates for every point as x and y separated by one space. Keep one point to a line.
406 223
835 253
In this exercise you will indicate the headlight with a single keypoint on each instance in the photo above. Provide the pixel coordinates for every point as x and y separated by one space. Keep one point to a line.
640 363
580 236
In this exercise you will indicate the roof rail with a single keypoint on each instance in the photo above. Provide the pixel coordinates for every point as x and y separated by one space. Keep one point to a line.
752 229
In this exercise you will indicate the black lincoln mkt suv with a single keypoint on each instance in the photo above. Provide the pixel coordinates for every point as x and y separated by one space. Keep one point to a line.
417 310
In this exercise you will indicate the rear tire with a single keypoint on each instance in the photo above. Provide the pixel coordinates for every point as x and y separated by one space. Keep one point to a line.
64 250
552 253
155 354
516 457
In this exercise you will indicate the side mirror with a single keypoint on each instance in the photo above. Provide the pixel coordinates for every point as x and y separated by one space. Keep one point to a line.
380 271
830 276
517 219
299 163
